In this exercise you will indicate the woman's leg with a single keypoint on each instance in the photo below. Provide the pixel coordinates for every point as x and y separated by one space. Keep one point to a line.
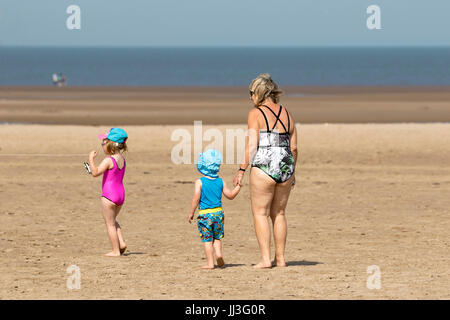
261 193
122 244
109 214
277 214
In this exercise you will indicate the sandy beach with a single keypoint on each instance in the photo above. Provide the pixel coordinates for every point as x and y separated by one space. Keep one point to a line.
218 105
366 194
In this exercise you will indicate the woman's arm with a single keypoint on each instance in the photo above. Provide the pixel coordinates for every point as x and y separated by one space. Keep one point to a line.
230 194
104 165
293 144
195 199
251 144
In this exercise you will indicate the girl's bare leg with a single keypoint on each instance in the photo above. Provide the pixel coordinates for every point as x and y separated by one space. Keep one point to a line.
209 251
277 214
109 215
218 250
122 244
261 192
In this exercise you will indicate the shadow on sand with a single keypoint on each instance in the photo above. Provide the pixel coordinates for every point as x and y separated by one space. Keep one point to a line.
231 265
131 253
302 263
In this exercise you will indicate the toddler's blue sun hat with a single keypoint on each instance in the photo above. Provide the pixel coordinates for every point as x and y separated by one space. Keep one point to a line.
209 163
115 134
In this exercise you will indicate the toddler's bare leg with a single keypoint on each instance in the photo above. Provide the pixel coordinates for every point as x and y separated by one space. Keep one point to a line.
218 251
209 251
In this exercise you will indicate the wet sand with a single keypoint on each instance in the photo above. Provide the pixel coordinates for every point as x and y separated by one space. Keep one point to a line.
218 105
366 194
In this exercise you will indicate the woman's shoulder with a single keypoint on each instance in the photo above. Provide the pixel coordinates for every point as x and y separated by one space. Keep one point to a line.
254 114
254 111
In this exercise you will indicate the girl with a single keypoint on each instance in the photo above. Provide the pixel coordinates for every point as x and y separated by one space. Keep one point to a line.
113 193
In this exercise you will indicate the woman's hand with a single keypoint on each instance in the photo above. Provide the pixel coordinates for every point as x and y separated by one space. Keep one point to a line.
238 178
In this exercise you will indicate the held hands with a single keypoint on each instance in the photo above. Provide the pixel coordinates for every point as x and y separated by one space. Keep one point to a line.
238 178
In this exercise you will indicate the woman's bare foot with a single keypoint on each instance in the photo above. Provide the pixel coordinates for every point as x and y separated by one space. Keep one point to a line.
112 254
263 265
220 262
208 267
279 263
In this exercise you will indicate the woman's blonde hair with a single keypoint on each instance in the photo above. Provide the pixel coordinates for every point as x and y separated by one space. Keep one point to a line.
264 87
112 147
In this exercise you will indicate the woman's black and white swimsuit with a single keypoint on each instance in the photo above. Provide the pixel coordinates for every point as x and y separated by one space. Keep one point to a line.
274 155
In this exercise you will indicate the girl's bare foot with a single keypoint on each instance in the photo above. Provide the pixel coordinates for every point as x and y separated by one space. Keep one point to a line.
208 267
220 262
263 265
112 254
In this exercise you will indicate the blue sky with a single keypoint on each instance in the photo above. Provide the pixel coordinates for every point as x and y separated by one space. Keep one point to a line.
224 23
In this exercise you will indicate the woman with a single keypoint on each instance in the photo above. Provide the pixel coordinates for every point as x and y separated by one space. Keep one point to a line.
272 146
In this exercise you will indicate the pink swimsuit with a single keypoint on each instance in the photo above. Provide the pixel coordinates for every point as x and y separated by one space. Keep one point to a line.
112 186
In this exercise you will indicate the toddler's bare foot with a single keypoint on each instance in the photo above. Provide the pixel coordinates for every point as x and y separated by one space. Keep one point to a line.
123 249
208 267
263 265
112 254
220 262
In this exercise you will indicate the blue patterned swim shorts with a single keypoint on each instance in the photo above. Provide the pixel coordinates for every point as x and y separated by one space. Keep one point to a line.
210 226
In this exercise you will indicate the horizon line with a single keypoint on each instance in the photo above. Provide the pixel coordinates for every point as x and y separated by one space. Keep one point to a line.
225 46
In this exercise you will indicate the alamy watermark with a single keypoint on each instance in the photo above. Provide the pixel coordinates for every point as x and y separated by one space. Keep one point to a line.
74 280
73 22
231 145
374 280
374 20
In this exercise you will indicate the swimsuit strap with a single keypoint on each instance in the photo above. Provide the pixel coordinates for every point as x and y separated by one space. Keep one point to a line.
265 118
278 117
289 120
114 162
117 166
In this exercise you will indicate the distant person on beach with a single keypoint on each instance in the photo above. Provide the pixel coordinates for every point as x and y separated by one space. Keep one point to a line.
272 149
59 79
208 192
113 192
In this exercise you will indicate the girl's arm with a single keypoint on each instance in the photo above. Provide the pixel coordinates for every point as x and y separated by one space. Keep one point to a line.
230 194
195 199
104 165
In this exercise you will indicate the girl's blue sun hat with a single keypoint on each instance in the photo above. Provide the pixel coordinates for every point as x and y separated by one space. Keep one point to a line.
115 134
209 163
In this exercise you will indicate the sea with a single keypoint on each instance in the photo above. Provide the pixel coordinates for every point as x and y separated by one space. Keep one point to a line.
234 66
